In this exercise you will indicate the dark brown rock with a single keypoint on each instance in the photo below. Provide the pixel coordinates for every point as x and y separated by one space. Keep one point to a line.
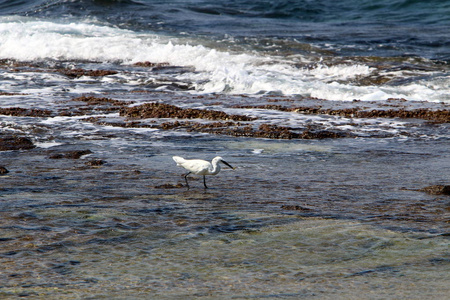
437 116
10 94
95 163
90 100
295 207
24 112
161 110
3 170
169 186
76 73
322 134
237 129
15 143
70 154
148 64
437 189
275 132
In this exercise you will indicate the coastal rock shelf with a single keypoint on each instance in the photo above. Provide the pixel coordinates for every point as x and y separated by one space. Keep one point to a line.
353 119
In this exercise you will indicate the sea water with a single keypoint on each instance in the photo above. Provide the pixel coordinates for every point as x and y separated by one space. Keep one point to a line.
319 218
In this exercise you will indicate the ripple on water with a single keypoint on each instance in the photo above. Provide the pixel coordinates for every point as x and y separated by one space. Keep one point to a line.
299 257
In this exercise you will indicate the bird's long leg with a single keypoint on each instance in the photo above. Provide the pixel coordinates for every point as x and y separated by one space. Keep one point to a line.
204 181
185 178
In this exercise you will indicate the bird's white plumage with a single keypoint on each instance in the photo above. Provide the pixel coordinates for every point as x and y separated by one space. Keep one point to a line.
200 166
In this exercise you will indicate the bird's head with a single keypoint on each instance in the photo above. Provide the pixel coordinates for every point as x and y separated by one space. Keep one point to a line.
220 159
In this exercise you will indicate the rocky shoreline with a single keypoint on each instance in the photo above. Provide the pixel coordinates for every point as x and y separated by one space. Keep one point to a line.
163 116
174 117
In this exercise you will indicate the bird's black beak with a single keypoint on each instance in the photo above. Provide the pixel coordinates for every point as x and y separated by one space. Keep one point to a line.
228 164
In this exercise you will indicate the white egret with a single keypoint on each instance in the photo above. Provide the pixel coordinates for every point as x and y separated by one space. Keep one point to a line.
200 167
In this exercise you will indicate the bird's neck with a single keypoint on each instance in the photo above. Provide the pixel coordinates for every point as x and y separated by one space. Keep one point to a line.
215 169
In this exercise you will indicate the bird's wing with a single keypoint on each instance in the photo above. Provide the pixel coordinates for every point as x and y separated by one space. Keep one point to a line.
196 166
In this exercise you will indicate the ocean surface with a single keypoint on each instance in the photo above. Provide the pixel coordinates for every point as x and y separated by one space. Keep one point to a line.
323 49
336 121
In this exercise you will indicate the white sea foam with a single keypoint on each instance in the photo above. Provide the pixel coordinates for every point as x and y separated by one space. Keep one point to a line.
46 145
257 151
215 71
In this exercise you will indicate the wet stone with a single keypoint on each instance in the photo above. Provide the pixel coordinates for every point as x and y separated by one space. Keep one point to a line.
440 261
161 110
295 207
95 163
77 73
15 143
90 100
10 94
70 154
148 64
437 189
433 115
268 131
323 134
169 186
24 112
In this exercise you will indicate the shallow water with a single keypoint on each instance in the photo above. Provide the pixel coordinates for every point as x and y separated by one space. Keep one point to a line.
296 219
313 258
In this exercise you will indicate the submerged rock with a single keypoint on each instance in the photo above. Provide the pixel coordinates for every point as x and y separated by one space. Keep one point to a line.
77 73
91 100
437 189
95 163
70 154
24 112
3 170
169 186
148 64
295 207
15 143
269 131
433 115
